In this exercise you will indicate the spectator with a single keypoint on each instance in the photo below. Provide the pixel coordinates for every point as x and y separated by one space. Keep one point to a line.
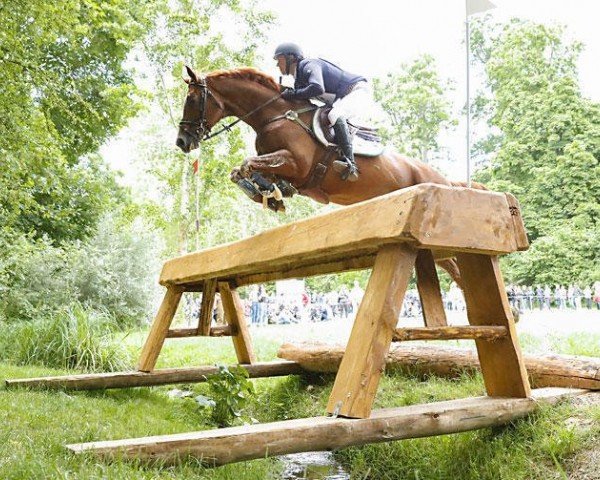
539 294
344 303
547 297
596 297
356 295
587 296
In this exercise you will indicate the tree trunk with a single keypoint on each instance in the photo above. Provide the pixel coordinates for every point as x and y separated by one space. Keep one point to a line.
544 370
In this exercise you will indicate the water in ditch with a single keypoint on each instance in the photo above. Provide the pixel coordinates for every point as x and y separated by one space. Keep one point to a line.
312 466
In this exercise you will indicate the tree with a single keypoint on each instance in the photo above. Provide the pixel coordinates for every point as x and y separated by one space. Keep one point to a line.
64 92
547 150
416 106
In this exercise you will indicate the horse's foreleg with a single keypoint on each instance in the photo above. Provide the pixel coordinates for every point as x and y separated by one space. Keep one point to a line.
279 164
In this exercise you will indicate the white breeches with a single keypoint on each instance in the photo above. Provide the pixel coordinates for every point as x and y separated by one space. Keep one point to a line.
355 107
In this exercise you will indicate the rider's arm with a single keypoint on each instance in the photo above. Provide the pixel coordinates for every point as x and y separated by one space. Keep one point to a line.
315 87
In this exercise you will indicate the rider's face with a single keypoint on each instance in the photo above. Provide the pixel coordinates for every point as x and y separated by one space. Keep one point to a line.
281 63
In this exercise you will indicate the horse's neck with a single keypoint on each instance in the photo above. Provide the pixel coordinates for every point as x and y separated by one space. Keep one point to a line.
242 96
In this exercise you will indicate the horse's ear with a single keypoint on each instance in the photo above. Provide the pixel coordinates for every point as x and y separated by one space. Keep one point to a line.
191 73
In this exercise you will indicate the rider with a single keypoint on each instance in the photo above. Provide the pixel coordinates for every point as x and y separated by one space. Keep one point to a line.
318 78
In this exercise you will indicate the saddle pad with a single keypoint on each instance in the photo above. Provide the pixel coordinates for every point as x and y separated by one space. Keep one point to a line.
360 146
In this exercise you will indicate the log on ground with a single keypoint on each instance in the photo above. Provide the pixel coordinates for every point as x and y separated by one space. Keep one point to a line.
544 371
165 376
228 445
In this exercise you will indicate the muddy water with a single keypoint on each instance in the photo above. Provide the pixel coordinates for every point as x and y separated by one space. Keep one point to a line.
312 466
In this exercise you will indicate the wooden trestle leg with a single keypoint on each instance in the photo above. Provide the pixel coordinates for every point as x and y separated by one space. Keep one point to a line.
234 314
209 290
160 327
428 285
358 376
502 366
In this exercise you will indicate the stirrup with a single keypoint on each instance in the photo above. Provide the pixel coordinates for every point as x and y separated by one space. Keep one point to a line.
347 169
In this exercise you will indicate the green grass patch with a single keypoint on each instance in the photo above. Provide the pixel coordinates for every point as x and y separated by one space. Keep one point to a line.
37 424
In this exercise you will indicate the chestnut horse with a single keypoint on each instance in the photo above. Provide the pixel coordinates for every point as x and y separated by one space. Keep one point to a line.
286 150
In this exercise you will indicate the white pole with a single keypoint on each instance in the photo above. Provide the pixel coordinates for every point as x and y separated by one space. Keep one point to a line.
468 108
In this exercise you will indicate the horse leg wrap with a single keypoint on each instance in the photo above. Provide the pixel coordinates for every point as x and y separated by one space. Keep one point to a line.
286 188
267 188
249 189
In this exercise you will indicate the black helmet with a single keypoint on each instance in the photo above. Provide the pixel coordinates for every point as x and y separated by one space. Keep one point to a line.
288 49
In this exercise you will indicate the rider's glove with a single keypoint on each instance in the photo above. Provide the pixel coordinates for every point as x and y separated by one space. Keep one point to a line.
289 94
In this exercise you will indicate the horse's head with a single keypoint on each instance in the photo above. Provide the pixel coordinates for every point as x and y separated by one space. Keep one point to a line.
202 110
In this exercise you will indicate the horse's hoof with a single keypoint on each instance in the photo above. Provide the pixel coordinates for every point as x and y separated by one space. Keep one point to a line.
277 195
276 205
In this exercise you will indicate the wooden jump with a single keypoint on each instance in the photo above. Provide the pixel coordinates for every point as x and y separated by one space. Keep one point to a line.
395 235
228 445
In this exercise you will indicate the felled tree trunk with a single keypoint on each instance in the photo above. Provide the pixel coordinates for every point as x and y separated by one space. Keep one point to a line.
544 370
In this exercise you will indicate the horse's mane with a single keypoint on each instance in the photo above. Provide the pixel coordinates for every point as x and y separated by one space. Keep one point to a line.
246 73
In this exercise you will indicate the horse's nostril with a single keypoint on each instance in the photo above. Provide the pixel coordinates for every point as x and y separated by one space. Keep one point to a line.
180 143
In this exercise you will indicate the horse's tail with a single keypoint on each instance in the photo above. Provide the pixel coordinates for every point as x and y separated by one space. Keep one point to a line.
475 185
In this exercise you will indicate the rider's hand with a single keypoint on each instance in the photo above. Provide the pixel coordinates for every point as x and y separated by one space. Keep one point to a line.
289 94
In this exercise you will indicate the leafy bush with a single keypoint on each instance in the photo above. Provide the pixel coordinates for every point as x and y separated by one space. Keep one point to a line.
33 283
74 338
230 391
114 270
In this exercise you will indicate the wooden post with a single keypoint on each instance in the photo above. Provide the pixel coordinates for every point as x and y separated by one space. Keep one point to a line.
160 328
503 369
357 380
428 285
206 308
234 314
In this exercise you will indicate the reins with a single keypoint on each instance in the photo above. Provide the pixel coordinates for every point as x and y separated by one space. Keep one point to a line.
202 132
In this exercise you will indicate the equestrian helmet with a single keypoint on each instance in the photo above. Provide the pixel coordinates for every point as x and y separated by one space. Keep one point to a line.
288 48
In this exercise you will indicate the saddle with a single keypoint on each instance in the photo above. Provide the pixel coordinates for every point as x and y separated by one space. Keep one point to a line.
365 141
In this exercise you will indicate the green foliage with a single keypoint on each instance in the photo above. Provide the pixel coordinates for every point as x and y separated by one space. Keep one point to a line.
548 149
230 391
415 101
73 338
64 92
112 271
116 269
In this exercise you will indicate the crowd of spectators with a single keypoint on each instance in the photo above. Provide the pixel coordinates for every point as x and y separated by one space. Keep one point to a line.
540 297
263 309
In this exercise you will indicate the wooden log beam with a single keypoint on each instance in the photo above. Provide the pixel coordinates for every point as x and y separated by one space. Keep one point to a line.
428 216
209 289
544 370
160 326
228 445
430 294
490 333
96 381
219 331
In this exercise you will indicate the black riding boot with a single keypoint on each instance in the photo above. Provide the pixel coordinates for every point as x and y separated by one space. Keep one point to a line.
346 164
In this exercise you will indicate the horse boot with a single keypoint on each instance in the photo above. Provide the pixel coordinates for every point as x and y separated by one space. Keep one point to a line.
346 164
266 187
249 189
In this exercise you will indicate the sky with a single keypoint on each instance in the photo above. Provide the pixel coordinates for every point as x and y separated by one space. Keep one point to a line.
374 37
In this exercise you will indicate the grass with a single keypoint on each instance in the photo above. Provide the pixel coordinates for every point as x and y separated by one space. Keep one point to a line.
35 425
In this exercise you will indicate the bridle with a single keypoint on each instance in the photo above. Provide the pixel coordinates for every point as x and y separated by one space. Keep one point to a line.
200 130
